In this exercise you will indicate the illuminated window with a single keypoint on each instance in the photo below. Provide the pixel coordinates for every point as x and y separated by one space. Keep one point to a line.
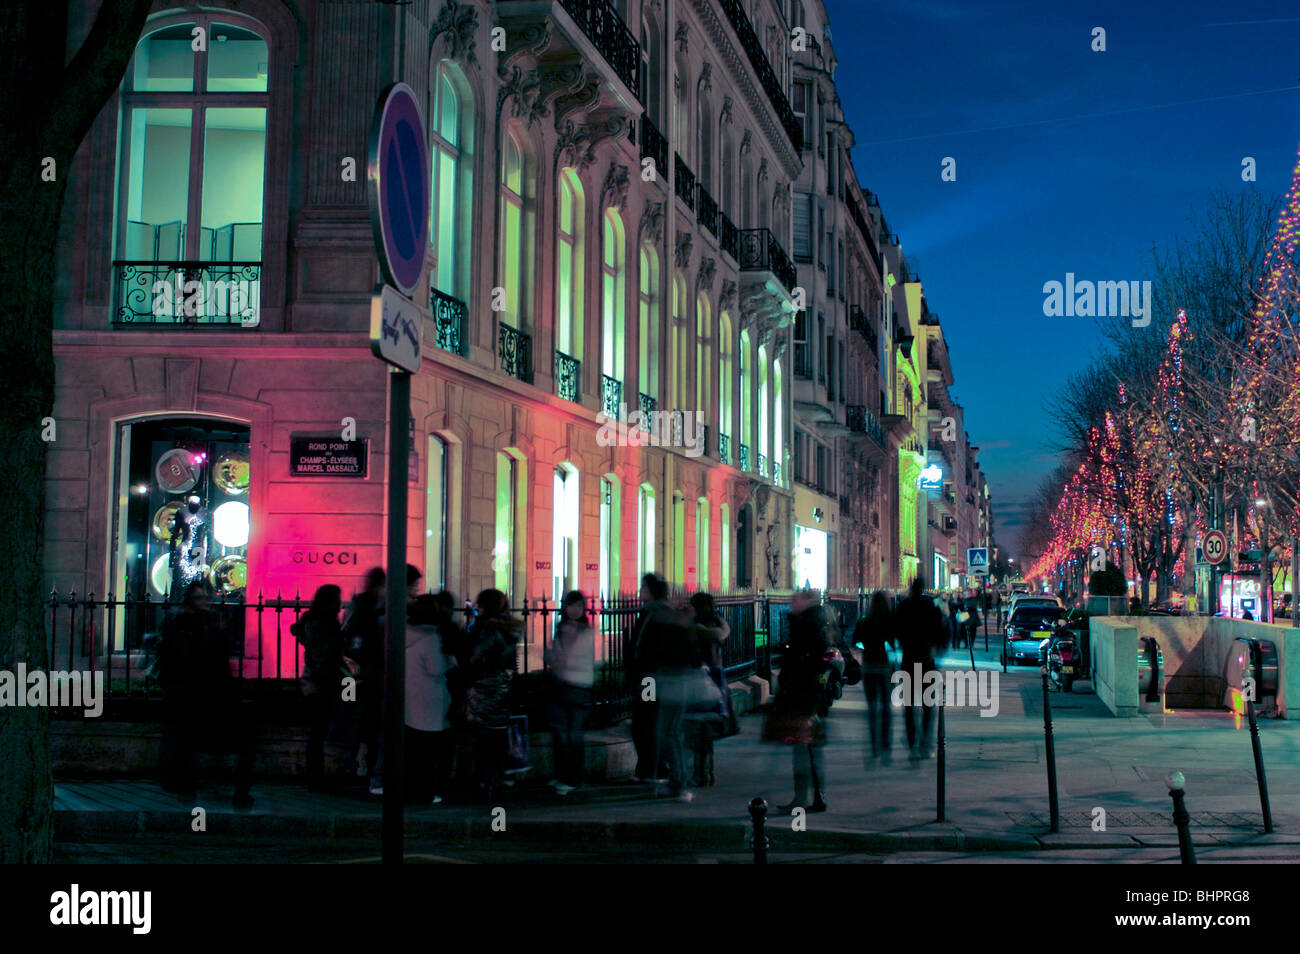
677 357
746 399
514 228
613 296
451 137
778 438
725 360
763 394
569 260
511 523
679 539
610 538
724 545
645 513
648 323
703 357
702 543
435 516
565 515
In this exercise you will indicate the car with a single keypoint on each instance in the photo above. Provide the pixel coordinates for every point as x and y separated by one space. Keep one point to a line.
1026 630
1032 599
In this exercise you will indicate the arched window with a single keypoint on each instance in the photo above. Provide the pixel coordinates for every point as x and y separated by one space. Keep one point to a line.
703 356
613 300
450 148
746 191
511 521
677 359
568 265
648 324
683 107
725 382
728 167
763 412
724 544
565 516
702 543
514 231
192 164
679 539
435 515
706 144
779 470
746 402
645 512
610 537
651 68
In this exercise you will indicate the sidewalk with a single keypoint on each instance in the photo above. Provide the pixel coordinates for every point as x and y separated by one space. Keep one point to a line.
996 781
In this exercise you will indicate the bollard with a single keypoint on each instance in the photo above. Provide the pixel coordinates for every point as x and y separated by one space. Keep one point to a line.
941 796
1175 781
1052 802
758 812
1259 767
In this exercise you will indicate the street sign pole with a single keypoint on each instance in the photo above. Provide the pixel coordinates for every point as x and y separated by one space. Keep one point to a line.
399 412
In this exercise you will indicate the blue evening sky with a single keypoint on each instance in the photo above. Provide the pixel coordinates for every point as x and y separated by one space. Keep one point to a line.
1068 160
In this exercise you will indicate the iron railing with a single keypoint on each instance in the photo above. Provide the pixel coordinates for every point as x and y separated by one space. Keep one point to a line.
449 319
196 293
647 405
611 396
861 421
729 236
516 350
653 145
766 75
760 251
762 465
708 210
744 457
724 448
611 37
568 376
684 183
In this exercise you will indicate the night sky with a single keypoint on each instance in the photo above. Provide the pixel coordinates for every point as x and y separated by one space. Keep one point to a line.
1067 160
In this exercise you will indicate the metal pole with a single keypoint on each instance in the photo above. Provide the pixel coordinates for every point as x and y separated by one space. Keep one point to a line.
758 812
399 412
1181 818
1256 664
1295 573
941 795
1052 801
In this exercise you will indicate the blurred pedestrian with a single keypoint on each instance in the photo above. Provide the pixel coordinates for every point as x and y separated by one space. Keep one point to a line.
656 616
571 661
363 651
920 630
487 700
201 710
875 634
711 632
428 738
321 638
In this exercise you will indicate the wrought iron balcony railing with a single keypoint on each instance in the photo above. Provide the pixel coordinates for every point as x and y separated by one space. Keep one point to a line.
449 318
802 362
766 75
724 448
568 376
707 214
610 35
776 472
744 457
760 251
516 350
862 222
654 146
729 236
762 465
186 293
684 183
861 421
611 396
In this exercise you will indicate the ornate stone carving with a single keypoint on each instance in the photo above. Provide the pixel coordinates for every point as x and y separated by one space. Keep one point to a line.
583 96
683 37
613 191
577 142
652 223
706 77
746 143
682 252
728 297
704 277
458 22
762 169
726 111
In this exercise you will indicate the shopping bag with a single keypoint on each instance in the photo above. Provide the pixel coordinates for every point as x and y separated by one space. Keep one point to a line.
517 757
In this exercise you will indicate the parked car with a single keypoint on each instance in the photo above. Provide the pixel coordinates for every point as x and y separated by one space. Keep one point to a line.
1032 599
1026 630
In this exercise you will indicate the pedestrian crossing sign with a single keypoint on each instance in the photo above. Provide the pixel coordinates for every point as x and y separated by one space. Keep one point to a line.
977 560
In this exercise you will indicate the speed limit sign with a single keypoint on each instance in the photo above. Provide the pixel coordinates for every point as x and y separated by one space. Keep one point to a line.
1215 547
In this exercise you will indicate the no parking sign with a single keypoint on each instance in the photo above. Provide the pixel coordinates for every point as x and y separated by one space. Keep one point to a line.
398 173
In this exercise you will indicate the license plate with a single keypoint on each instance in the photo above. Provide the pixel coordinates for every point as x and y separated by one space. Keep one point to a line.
1041 635
1067 670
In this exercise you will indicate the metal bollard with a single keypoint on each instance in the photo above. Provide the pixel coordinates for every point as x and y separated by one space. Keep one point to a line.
758 812
1175 781
941 796
1052 801
1259 767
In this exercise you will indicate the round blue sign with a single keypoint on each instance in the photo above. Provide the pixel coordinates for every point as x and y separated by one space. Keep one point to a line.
399 187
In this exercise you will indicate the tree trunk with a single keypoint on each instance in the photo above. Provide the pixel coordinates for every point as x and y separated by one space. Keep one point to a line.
52 104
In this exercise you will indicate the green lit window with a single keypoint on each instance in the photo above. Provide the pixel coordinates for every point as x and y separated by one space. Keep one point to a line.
648 322
514 255
568 266
451 134
613 296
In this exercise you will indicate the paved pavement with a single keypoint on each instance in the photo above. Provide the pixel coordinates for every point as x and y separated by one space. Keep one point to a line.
996 794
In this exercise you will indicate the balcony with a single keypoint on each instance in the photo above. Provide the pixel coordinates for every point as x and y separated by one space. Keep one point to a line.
762 466
610 36
568 377
206 294
653 145
761 252
766 75
729 236
862 222
707 214
859 322
724 448
860 420
611 396
744 457
515 348
647 405
684 183
802 362
449 317
776 472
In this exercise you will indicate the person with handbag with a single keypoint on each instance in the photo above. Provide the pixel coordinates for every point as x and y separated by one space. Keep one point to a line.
718 719
571 661
798 714
487 698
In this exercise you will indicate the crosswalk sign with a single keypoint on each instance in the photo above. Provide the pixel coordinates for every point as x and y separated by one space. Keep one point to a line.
977 560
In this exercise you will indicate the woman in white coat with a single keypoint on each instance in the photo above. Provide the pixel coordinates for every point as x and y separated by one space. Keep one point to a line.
428 739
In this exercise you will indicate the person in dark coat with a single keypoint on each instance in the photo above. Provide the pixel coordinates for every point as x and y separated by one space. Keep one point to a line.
363 651
711 630
655 619
321 637
487 699
804 697
920 628
874 633
201 710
